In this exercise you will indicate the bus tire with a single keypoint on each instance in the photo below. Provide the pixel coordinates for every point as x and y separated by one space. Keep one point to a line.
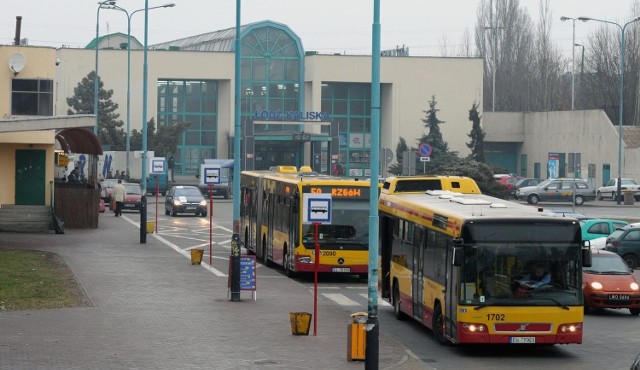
438 325
265 259
396 303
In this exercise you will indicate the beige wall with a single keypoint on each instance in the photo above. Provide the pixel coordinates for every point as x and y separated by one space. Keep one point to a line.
76 64
588 132
40 62
407 85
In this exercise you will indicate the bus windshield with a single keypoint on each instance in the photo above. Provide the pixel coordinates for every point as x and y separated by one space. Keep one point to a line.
516 274
349 226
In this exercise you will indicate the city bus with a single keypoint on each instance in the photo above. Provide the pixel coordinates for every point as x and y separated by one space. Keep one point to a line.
271 219
457 262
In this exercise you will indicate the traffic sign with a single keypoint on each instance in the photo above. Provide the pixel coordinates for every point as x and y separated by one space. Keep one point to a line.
424 150
316 208
425 159
212 175
157 166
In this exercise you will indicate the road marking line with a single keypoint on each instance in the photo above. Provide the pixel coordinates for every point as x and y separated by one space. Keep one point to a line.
341 299
381 302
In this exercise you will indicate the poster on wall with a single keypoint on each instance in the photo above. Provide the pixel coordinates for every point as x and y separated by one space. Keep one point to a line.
553 165
356 140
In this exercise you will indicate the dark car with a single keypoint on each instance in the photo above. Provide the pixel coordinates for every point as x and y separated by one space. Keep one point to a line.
626 243
527 181
609 283
185 199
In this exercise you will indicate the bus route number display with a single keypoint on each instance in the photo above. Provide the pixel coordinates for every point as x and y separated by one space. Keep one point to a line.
357 192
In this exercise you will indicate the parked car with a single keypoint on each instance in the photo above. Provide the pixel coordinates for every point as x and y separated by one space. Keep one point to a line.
610 189
609 283
522 182
599 227
626 243
133 197
185 199
558 190
509 181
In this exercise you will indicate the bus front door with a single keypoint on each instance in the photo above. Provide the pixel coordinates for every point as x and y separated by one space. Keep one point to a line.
417 273
451 296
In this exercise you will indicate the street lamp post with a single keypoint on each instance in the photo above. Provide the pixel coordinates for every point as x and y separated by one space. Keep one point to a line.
96 83
573 60
116 7
581 66
622 29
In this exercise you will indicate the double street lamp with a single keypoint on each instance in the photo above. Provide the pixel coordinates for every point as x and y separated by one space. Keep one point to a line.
622 29
96 81
129 15
573 60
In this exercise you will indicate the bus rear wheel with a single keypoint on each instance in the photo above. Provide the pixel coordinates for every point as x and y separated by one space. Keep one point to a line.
396 304
437 325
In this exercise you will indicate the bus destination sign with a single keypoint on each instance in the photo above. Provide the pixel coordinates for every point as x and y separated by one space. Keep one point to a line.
355 192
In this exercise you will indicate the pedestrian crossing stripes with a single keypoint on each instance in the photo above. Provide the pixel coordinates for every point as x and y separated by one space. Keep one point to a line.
343 300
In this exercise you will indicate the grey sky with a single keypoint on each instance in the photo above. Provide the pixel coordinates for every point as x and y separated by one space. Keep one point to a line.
324 26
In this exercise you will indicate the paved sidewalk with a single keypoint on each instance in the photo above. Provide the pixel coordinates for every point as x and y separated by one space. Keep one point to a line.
151 309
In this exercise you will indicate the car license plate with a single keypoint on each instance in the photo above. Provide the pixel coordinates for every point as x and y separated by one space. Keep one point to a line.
129 205
340 269
522 340
619 297
191 208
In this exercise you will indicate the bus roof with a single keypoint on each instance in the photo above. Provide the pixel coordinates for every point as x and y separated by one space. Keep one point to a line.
420 184
463 207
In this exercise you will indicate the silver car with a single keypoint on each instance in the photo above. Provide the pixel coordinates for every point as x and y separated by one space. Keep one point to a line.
558 190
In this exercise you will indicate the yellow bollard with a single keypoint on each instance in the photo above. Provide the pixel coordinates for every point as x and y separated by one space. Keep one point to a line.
356 337
196 256
151 225
300 323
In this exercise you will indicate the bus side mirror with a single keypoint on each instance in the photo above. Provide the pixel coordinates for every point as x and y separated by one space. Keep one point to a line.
586 257
457 256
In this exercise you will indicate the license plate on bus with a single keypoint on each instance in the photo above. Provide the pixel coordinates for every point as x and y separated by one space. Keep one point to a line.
619 297
522 340
340 269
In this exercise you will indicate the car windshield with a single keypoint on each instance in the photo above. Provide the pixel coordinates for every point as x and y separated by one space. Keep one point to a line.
607 263
133 189
188 192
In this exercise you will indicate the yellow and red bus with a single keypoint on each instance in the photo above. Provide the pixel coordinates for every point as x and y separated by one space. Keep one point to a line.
272 220
455 262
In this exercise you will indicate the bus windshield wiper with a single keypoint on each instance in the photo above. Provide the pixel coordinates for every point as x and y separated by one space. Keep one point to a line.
554 300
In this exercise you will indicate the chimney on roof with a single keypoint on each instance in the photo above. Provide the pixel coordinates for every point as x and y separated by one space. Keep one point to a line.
16 41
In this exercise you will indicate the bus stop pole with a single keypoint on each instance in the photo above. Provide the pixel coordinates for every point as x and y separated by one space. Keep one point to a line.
235 237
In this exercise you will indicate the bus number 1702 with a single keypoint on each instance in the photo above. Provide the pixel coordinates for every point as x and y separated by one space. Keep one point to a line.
495 317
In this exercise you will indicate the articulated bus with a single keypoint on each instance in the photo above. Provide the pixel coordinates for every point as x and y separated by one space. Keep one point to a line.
272 221
456 263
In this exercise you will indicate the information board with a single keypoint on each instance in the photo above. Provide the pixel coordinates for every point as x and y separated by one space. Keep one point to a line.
247 273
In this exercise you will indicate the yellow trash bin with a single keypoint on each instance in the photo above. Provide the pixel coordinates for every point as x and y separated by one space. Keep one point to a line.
196 256
300 323
357 337
151 225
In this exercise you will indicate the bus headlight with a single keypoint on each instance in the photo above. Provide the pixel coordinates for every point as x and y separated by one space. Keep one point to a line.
305 259
474 328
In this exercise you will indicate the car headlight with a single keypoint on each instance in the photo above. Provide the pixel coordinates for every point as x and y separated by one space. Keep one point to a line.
634 286
177 203
203 203
596 285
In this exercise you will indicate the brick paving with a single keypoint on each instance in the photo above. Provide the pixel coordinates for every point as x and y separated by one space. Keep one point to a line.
149 308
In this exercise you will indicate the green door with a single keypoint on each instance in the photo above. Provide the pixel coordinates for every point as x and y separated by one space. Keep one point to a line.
30 177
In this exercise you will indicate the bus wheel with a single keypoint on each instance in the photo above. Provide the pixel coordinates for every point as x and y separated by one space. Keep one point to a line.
396 303
438 325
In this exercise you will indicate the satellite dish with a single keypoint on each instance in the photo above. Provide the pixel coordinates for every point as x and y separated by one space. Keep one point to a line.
17 62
